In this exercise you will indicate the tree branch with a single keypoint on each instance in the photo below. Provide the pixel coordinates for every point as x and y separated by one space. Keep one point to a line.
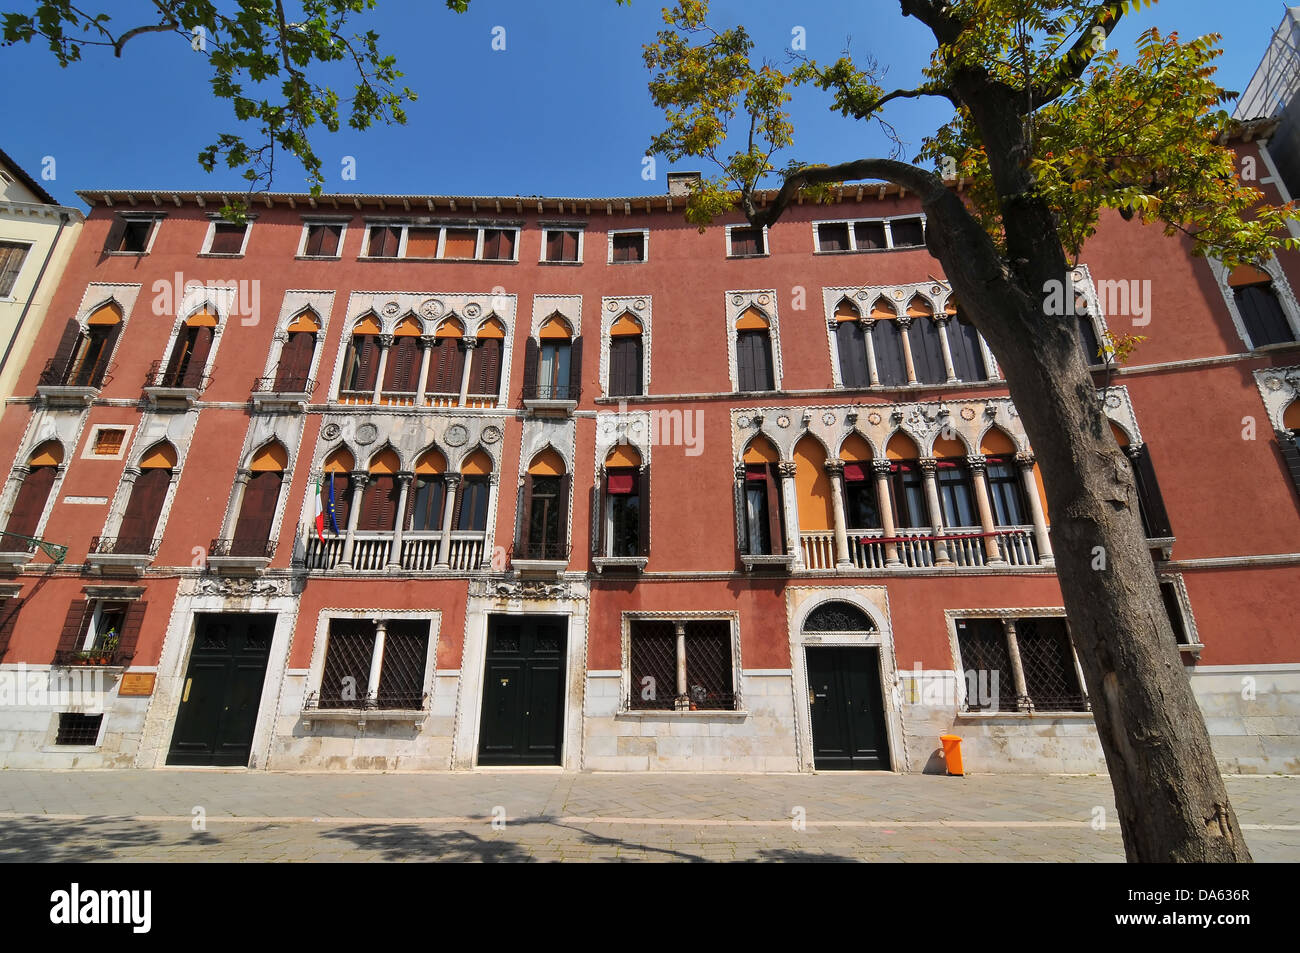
925 184
941 91
1072 65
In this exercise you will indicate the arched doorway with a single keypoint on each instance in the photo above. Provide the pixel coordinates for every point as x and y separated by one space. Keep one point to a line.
845 700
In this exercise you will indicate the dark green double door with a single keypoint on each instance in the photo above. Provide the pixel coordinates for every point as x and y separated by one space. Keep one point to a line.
848 709
523 690
222 689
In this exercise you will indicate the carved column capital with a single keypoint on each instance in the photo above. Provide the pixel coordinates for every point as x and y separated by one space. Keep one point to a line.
385 340
243 475
1025 459
977 462
740 471
866 324
928 465
469 342
405 476
787 469
282 336
834 469
451 479
427 340
904 321
880 467
359 477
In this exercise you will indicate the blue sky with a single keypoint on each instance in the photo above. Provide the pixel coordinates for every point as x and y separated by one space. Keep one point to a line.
563 110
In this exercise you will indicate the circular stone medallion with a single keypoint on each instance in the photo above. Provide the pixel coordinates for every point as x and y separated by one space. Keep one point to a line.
367 433
456 435
490 434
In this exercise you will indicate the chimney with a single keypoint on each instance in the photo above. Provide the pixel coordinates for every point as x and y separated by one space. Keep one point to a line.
683 183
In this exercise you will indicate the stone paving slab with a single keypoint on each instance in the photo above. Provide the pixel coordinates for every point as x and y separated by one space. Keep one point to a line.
548 816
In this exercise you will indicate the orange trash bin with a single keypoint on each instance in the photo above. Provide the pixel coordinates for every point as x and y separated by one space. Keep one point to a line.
952 754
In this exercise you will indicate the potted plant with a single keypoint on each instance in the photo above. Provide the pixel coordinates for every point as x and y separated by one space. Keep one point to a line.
107 649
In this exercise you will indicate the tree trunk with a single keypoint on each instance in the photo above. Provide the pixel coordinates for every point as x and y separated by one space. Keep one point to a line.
1171 798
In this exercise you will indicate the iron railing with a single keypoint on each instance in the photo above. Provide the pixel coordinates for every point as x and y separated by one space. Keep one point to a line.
255 548
67 658
284 385
539 391
653 658
59 374
124 546
390 701
163 375
551 550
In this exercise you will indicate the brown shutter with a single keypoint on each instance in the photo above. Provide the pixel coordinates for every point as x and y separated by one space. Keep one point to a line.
367 362
744 362
384 242
227 239
853 354
399 373
532 356
67 346
73 633
342 501
554 246
461 492
105 355
774 510
643 508
570 246
131 626
9 609
315 237
198 359
486 372
295 361
410 503
386 492
28 508
575 369
1155 520
742 522
526 519
1290 455
115 232
140 521
256 513
566 487
598 516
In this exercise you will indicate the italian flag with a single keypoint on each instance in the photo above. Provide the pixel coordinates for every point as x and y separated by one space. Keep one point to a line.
320 513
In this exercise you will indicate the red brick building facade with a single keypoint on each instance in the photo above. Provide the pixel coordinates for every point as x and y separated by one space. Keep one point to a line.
599 490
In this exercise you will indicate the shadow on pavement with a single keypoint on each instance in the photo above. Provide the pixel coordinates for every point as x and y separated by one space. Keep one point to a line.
31 840
412 842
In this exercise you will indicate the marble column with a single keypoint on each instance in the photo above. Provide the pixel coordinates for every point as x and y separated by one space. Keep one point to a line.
1042 539
835 470
928 467
980 486
881 470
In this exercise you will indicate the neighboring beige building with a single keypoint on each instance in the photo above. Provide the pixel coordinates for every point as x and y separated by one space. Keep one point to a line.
36 237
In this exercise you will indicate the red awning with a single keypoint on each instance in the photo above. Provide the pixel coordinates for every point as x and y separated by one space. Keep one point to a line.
621 483
854 472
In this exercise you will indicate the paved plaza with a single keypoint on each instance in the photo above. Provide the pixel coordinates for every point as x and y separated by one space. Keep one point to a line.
543 815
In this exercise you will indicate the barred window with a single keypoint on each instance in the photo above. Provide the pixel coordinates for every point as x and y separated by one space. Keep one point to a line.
660 651
353 648
76 728
1025 664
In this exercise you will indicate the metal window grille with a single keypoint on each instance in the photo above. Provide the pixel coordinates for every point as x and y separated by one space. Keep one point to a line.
401 680
347 663
708 665
653 657
983 646
1048 662
109 442
78 729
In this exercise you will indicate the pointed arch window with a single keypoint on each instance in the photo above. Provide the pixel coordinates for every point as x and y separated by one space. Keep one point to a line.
293 372
379 501
621 505
337 490
760 510
754 364
429 493
851 344
861 503
144 508
448 359
361 360
33 496
403 365
553 362
626 356
927 349
544 529
1260 307
82 355
189 358
964 344
252 533
906 484
887 342
485 361
476 486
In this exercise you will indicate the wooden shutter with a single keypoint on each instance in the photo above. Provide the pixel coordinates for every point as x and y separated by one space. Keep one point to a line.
927 352
140 520
964 343
315 238
367 362
198 361
115 232
295 361
554 244
643 511
67 346
1290 455
625 360
775 530
532 356
327 244
227 239
342 501
399 372
448 366
105 355
176 364
257 513
562 540
575 368
456 511
384 242
744 361
9 610
28 508
131 625
486 372
598 516
526 517
888 344
742 505
73 633
1155 520
852 347
379 504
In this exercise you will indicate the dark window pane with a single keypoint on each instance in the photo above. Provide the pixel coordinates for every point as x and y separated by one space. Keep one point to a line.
863 511
967 358
746 241
1262 314
135 235
927 351
629 246
850 340
426 513
348 654
987 664
473 505
907 232
1169 594
1006 493
652 652
1048 662
869 235
887 340
833 236
956 496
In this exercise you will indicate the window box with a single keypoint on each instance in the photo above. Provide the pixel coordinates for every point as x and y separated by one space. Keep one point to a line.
240 557
366 710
